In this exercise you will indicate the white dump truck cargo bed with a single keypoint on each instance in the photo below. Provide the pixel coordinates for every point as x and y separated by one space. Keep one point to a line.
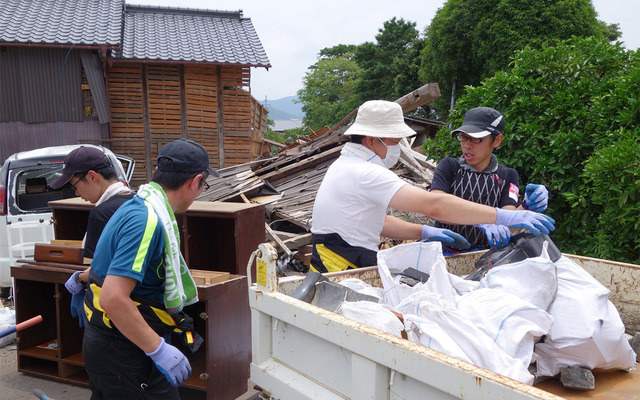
301 351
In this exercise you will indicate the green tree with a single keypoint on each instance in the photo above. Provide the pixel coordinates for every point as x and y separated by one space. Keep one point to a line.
573 123
328 93
288 136
390 66
469 40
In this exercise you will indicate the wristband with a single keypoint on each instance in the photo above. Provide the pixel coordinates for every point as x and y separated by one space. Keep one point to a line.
78 280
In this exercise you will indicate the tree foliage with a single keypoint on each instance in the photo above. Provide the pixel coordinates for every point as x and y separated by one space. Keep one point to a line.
573 123
345 76
390 65
469 40
329 87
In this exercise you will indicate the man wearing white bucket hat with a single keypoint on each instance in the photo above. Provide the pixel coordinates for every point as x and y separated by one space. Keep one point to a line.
349 213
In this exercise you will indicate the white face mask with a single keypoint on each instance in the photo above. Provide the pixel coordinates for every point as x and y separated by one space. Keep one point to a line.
393 154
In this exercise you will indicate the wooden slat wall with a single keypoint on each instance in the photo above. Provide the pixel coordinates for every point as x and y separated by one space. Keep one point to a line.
236 105
165 113
183 101
127 115
259 125
201 86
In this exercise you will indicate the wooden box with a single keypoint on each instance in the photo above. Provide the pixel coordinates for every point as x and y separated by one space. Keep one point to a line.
60 253
202 277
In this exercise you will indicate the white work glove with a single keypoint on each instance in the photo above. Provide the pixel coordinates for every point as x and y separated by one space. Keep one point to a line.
534 222
536 198
171 362
497 235
445 236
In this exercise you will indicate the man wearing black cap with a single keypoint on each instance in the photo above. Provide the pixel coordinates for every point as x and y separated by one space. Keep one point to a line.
139 284
476 176
91 174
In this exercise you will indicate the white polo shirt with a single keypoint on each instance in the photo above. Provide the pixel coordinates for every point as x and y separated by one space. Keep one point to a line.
353 197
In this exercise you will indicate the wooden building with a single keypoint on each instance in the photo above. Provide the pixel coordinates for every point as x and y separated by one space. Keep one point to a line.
131 78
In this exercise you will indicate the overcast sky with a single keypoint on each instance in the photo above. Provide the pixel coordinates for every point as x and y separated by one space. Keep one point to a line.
293 32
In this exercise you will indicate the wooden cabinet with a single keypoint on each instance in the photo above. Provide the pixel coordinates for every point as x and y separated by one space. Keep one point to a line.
215 236
41 291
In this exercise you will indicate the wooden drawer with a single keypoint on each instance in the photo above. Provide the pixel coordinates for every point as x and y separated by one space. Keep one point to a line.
60 253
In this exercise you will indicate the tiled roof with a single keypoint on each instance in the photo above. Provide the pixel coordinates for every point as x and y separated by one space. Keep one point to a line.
149 33
84 22
179 34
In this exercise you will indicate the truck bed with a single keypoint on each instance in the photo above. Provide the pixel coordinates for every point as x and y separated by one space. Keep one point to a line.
303 352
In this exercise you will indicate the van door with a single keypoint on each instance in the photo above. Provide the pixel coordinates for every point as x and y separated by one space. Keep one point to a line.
128 164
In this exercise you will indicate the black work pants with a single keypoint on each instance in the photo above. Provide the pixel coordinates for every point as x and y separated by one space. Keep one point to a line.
118 369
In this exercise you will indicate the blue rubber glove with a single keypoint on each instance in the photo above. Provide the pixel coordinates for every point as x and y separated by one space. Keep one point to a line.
445 236
171 362
72 284
533 222
77 306
536 198
497 235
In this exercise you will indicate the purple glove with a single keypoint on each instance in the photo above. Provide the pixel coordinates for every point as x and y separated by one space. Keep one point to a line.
445 236
534 222
497 235
171 362
73 284
536 198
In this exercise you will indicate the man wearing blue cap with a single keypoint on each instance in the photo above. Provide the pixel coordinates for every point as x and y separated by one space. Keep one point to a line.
139 284
476 176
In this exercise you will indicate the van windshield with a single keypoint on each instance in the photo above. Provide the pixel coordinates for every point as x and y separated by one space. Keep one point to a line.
32 188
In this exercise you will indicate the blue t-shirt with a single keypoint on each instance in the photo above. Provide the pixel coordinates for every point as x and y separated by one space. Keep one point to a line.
132 245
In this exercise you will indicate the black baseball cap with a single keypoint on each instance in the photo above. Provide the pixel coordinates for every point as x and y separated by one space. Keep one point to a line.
482 121
82 159
184 155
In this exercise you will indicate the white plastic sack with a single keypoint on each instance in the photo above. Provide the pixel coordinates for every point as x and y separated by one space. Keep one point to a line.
461 285
587 330
534 280
362 287
513 324
373 314
424 256
435 322
7 321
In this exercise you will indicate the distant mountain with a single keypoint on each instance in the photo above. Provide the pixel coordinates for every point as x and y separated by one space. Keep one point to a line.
284 108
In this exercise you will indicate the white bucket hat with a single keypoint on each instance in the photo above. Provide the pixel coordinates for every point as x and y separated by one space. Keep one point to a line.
381 119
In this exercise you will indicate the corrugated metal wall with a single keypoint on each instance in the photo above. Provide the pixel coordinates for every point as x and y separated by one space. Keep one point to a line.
40 85
41 100
20 136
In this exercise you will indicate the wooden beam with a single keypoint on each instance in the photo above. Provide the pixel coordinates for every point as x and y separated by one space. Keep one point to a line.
419 97
275 237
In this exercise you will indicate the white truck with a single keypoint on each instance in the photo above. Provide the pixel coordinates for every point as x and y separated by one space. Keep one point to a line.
25 215
300 351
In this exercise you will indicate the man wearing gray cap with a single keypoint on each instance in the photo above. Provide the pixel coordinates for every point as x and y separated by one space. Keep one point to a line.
349 213
476 176
139 284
